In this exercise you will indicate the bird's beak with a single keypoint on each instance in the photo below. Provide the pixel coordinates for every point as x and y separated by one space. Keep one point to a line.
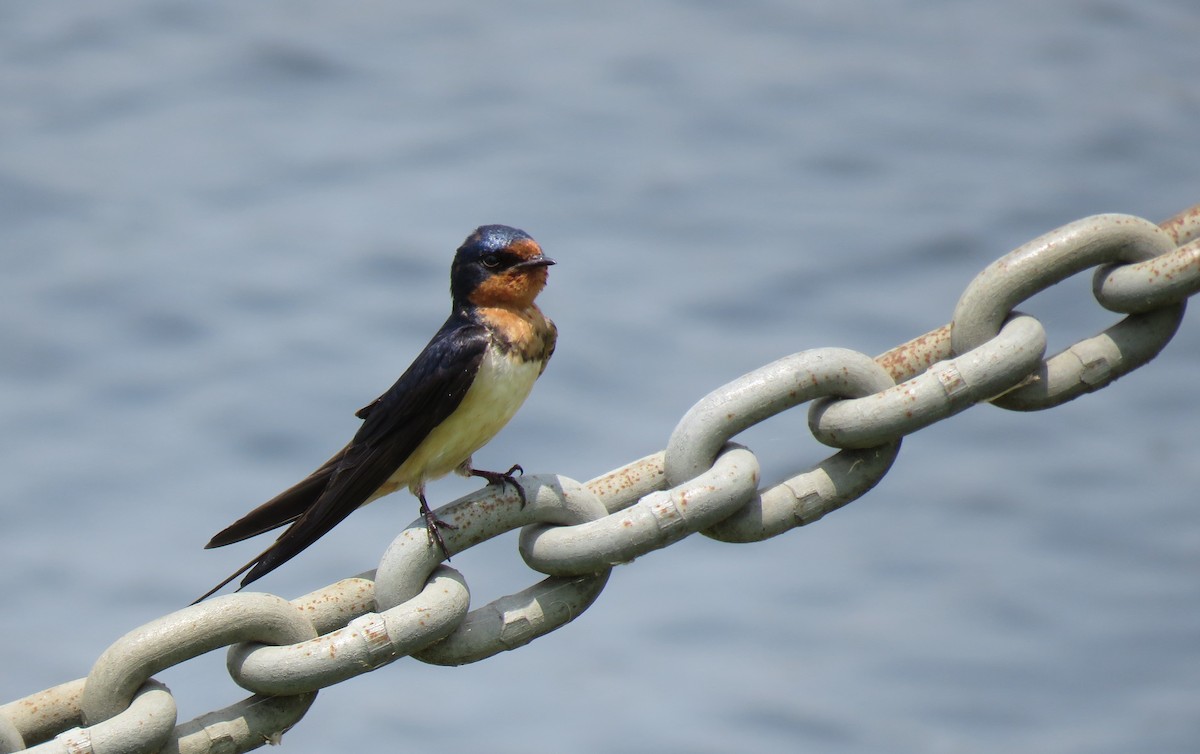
541 260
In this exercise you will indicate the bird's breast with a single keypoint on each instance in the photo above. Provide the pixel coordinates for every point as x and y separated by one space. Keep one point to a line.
526 333
500 387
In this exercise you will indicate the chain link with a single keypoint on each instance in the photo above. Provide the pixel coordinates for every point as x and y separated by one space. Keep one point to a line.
944 389
413 605
1090 364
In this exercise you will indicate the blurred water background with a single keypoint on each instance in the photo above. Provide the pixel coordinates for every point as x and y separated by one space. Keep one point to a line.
225 226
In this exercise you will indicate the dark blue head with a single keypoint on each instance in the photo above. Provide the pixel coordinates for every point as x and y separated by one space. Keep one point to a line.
498 266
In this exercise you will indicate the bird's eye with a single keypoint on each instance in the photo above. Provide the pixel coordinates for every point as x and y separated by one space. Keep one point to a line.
490 261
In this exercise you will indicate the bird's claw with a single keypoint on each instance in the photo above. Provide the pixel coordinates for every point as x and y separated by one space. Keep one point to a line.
434 525
504 477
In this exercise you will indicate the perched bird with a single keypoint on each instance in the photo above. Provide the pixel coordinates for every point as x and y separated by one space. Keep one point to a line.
458 393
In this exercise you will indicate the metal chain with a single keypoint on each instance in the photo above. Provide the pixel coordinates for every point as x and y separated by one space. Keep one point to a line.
573 533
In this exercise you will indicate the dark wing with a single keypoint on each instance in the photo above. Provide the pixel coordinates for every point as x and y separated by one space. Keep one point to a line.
393 426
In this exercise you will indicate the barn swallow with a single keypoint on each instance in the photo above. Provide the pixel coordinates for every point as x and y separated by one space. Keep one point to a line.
458 393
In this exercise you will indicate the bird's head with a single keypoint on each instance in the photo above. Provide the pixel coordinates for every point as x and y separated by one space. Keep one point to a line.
498 266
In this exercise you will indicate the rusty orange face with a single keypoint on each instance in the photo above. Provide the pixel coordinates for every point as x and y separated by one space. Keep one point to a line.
517 275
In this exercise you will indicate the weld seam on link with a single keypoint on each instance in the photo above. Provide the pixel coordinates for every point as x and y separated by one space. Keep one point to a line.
950 379
946 389
1093 367
373 630
364 644
804 500
667 516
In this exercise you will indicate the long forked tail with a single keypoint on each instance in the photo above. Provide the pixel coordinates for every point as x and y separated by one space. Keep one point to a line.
285 508
232 576
282 509
308 528
313 506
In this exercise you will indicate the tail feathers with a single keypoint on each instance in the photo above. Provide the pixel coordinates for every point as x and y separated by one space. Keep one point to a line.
312 507
282 509
232 576
297 537
288 507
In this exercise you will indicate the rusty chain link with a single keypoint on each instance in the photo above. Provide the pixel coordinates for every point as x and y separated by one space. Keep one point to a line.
413 605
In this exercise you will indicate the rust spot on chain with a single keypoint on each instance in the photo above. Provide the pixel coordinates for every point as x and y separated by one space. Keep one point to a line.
912 358
1183 227
629 477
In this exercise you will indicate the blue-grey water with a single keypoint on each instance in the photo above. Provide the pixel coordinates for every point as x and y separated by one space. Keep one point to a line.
225 226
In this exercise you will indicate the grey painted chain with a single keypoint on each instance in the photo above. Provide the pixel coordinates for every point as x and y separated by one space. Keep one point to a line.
413 605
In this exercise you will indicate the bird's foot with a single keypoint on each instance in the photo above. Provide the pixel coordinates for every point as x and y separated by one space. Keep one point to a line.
504 477
434 525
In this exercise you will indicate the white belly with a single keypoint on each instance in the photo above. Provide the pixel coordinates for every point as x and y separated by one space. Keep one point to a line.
501 386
